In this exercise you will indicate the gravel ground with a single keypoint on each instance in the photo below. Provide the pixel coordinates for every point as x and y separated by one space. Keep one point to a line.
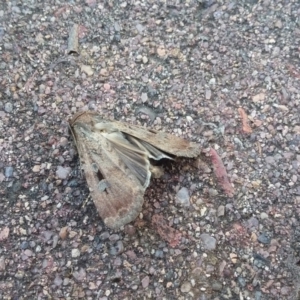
198 69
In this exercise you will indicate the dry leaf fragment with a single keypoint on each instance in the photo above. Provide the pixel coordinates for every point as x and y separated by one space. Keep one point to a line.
245 122
171 235
73 40
221 173
116 158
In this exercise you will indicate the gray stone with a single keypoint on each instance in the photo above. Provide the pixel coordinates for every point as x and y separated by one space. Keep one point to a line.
8 172
185 287
209 242
8 107
75 253
216 286
264 239
183 197
62 173
221 211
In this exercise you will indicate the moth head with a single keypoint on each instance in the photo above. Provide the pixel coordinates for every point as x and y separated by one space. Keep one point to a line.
105 127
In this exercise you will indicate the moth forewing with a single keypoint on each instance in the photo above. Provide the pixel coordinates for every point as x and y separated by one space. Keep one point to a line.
168 143
116 157
118 137
116 192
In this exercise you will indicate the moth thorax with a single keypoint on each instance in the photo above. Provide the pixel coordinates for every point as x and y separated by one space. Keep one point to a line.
105 127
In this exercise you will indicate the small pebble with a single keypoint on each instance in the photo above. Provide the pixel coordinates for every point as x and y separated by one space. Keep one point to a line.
139 58
36 168
144 97
2 264
87 70
17 186
58 281
145 282
104 236
75 253
278 24
2 177
55 241
212 81
47 235
212 192
183 197
207 94
185 287
104 72
221 211
20 274
73 183
114 237
113 251
216 286
252 222
119 247
8 107
80 275
62 173
24 245
189 119
242 281
270 160
145 59
209 242
8 172
258 295
159 254
264 239
63 233
63 141
28 252
263 215
161 51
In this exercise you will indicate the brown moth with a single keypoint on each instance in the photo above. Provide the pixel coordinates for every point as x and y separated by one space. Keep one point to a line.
116 158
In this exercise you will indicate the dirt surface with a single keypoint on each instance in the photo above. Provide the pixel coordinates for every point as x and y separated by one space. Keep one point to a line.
224 74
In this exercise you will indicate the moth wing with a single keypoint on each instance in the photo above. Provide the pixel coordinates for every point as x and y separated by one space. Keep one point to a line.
134 158
116 192
163 141
151 151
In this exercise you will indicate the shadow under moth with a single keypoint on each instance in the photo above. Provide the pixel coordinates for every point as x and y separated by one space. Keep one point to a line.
116 159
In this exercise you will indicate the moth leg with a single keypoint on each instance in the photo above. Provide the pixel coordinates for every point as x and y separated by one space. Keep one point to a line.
156 171
88 198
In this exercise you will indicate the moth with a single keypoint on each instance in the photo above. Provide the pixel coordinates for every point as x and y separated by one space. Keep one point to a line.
117 161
